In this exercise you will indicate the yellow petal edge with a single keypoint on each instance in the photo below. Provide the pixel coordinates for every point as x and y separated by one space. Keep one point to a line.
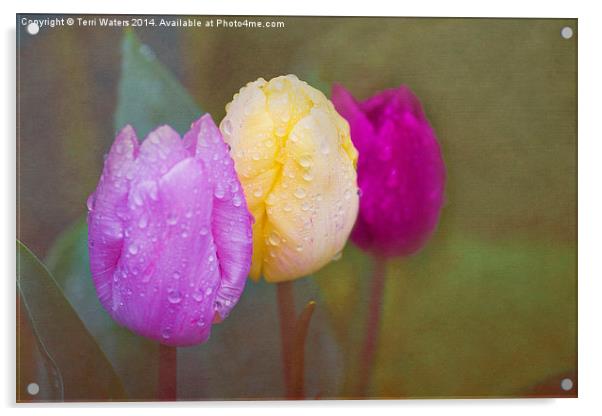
297 165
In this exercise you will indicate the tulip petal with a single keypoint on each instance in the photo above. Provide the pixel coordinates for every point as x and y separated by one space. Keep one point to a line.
349 108
400 171
231 222
314 203
106 205
297 165
164 291
159 152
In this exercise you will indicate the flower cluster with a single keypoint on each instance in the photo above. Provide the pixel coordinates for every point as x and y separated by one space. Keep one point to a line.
176 224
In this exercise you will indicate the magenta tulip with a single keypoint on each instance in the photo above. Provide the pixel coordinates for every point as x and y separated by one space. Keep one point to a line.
169 233
401 174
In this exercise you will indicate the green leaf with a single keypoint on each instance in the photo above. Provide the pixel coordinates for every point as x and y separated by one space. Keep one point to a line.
133 357
242 359
77 364
149 95
464 317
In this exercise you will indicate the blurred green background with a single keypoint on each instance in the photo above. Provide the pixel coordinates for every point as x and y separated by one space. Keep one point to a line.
487 308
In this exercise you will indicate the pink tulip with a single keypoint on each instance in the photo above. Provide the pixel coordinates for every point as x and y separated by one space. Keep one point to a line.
401 174
169 233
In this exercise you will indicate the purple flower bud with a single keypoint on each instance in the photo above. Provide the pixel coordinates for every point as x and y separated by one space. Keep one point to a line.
169 233
401 174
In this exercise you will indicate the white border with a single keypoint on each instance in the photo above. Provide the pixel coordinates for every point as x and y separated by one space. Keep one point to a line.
590 206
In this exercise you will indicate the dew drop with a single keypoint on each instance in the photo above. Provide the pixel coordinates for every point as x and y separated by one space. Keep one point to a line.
277 84
143 221
90 202
152 191
133 249
305 161
204 231
257 192
347 194
174 296
227 127
176 275
208 291
308 176
138 199
287 207
197 296
305 206
236 200
219 191
300 193
338 256
172 218
274 238
166 333
184 234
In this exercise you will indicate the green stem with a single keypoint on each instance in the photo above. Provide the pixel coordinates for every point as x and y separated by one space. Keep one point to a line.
286 309
167 373
372 326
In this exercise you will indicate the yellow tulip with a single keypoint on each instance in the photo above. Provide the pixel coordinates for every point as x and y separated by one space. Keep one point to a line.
297 166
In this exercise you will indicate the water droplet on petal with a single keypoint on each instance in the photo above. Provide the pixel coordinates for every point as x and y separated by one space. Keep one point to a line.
208 291
236 200
174 296
305 161
172 218
152 191
300 193
257 192
227 127
143 221
176 275
133 249
90 202
138 199
204 231
166 333
274 238
219 191
338 256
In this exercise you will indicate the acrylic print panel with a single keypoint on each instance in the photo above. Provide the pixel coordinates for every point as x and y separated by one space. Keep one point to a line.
223 208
